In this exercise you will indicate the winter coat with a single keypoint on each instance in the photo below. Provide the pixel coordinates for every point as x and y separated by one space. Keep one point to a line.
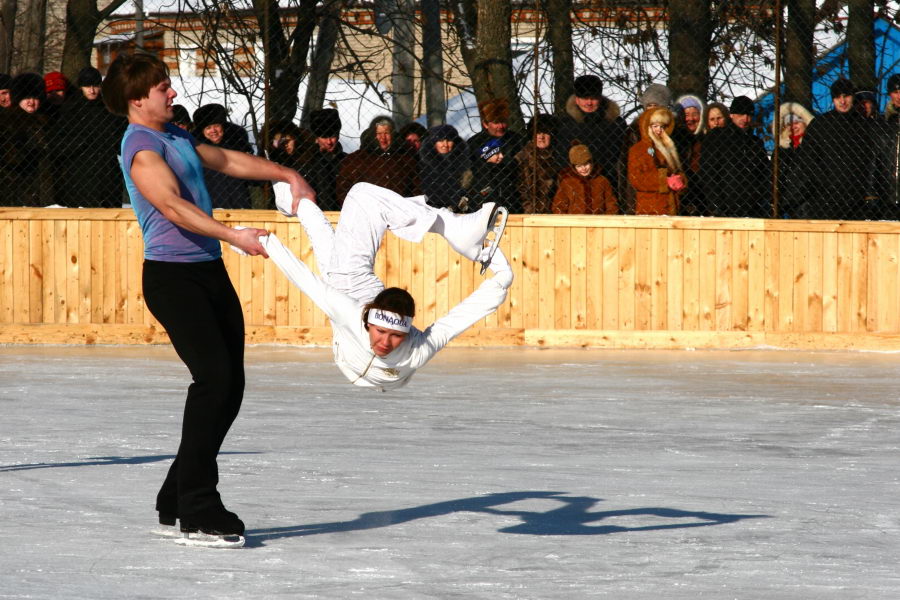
393 168
24 162
887 167
227 191
321 173
87 141
787 158
603 132
734 173
442 174
591 195
648 170
494 182
835 174
537 197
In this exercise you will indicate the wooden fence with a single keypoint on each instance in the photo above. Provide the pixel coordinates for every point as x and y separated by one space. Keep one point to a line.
74 276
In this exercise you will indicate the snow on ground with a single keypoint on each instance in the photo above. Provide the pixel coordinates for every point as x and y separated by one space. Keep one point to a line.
496 474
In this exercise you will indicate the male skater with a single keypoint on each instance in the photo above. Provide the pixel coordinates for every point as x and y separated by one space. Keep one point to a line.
185 284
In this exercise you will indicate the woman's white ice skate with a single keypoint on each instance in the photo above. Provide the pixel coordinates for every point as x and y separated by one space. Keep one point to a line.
496 225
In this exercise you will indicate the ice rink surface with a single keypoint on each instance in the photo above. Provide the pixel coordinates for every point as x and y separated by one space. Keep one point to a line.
496 474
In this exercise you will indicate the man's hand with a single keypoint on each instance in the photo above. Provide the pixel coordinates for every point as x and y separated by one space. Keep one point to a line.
245 240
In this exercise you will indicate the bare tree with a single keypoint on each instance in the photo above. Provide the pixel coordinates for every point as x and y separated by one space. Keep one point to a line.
861 44
322 58
690 36
559 35
82 20
799 53
401 17
433 62
7 33
31 37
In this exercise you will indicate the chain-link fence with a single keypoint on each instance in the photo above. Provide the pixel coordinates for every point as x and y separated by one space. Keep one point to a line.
607 138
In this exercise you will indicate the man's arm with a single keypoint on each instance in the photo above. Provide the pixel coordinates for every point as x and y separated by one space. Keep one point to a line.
157 183
247 166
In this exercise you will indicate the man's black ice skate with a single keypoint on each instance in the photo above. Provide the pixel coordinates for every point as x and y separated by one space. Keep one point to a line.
212 528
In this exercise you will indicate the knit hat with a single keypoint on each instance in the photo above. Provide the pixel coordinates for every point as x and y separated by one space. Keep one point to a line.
579 154
325 123
489 148
690 102
495 110
865 95
210 114
5 81
742 105
88 76
27 85
842 87
545 124
181 115
55 81
588 86
443 132
892 85
656 93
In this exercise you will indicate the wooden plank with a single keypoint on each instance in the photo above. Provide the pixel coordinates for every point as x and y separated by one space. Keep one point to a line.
830 264
7 275
674 280
815 289
724 280
135 294
859 282
510 312
756 281
627 280
20 261
643 279
593 278
578 294
563 318
801 280
48 269
61 269
546 274
659 289
85 271
611 279
690 320
35 267
785 282
740 280
707 281
772 301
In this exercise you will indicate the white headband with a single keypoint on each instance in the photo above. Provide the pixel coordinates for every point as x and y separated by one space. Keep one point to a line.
389 320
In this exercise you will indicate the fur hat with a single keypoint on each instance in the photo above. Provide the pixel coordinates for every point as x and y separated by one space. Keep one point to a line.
443 132
88 76
489 149
181 115
495 110
210 114
325 123
27 85
54 81
790 112
842 87
742 105
893 83
588 86
543 122
5 80
579 154
656 94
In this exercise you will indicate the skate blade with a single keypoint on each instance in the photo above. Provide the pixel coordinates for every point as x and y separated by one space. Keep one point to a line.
166 531
492 240
205 540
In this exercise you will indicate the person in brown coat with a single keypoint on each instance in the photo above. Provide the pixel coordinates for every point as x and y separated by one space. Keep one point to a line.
654 168
382 160
583 190
538 166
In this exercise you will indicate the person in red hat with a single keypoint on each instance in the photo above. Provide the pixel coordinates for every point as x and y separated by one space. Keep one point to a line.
56 87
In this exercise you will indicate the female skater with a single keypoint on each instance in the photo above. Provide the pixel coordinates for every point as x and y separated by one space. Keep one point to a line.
375 343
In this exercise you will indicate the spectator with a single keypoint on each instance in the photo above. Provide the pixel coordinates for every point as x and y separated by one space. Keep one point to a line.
537 166
182 117
210 122
596 121
867 104
583 190
443 161
889 154
290 146
654 167
498 180
24 170
742 111
655 95
689 133
380 160
412 135
88 143
794 121
5 99
717 116
326 160
835 171
734 168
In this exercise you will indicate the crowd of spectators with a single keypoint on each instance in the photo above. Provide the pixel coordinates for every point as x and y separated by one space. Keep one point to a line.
683 156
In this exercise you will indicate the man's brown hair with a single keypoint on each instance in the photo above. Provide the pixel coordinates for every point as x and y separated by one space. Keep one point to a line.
130 77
